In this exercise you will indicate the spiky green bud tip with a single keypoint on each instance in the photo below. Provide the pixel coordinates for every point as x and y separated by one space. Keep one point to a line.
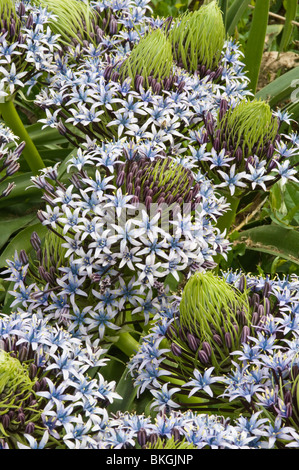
14 377
151 57
250 125
198 38
210 305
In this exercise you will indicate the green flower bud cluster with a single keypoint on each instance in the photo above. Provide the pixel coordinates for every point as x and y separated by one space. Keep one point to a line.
198 38
18 411
150 62
213 315
249 126
159 181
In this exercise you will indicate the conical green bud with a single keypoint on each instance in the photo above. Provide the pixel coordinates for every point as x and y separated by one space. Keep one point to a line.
14 378
74 19
198 38
170 443
150 58
250 126
209 307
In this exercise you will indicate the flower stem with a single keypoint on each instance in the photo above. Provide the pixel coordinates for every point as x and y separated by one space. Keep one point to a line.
12 119
226 220
127 344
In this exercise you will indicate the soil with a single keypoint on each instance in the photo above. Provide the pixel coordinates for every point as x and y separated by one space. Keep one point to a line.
275 64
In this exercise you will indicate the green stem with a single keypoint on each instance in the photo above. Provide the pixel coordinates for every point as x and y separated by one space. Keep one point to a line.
226 220
127 344
12 119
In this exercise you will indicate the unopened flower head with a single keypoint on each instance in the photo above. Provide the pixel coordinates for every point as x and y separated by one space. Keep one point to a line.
150 62
244 147
198 39
212 316
117 254
158 181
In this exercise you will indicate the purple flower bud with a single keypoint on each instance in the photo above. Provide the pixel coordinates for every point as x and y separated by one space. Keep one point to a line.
218 72
217 339
35 241
32 371
113 26
107 72
142 437
228 340
8 190
245 333
192 342
207 348
255 318
21 418
202 356
22 9
138 82
267 306
19 149
239 155
272 165
23 257
29 22
120 178
30 428
5 421
176 349
148 201
12 168
181 86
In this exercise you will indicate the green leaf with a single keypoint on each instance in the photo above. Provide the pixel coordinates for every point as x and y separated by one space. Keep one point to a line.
291 11
125 388
22 193
11 225
44 137
274 240
281 88
21 241
234 14
255 44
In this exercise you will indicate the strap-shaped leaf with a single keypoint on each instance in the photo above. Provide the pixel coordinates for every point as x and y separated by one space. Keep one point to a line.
281 88
274 240
256 40
291 11
234 14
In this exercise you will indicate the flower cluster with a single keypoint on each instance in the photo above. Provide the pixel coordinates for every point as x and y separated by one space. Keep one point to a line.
208 360
27 44
191 430
9 158
137 91
242 149
114 239
47 398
